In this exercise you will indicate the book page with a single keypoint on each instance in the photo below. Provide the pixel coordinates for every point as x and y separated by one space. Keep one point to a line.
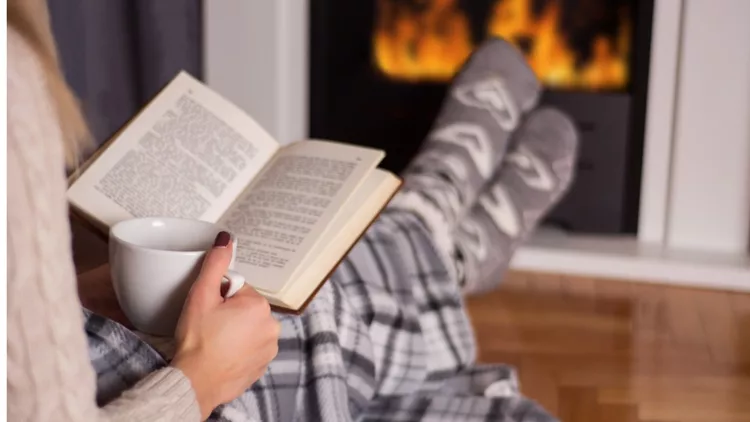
284 214
189 154
363 207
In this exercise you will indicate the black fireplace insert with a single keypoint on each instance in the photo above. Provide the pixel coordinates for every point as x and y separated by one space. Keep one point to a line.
379 70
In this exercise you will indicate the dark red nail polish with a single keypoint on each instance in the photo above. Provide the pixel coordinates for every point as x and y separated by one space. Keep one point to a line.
224 289
222 240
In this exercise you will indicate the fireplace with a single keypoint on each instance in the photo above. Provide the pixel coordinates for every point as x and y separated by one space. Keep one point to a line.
379 70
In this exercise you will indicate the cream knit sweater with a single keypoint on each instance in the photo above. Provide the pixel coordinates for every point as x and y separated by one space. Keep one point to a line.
49 374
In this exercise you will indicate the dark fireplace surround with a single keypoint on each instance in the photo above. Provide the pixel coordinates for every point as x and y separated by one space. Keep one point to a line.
353 100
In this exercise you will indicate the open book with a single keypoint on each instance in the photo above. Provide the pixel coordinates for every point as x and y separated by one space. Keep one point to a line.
294 210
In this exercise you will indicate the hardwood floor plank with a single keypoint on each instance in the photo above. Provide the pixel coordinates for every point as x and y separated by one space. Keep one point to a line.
578 404
676 396
718 320
579 287
534 377
651 314
617 413
690 413
684 321
545 284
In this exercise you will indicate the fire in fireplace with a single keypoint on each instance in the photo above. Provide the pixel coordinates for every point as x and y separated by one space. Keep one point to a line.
429 41
379 70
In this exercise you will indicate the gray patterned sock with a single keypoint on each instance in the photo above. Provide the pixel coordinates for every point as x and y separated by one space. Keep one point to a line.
486 102
536 173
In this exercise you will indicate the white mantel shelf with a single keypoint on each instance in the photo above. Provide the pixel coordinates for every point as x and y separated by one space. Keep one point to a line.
626 258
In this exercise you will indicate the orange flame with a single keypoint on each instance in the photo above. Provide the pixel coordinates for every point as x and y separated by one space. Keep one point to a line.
419 45
432 43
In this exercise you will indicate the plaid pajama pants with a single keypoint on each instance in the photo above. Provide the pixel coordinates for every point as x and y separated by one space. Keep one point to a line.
387 338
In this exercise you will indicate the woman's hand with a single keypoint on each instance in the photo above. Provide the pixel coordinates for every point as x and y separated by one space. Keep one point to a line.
223 346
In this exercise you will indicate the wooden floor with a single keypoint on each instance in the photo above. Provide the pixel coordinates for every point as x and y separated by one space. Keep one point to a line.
592 350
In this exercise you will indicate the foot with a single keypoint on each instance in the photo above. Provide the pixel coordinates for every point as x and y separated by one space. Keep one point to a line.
486 102
536 173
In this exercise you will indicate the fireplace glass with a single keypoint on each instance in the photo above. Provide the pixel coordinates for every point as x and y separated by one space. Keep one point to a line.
379 70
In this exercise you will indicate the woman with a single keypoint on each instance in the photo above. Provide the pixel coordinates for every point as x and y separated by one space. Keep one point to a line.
386 338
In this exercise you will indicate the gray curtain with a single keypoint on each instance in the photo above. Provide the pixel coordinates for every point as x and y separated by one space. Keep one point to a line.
116 54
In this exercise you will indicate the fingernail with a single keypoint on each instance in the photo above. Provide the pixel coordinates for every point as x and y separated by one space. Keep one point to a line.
222 240
224 289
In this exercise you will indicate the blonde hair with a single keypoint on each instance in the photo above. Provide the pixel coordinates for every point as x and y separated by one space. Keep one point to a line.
30 18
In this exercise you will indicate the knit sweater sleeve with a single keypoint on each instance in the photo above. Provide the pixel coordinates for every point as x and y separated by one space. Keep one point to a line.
50 377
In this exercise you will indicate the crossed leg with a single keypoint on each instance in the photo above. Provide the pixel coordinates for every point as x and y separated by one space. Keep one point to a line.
492 167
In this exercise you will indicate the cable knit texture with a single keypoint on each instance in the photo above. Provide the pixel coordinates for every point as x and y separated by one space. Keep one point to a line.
50 377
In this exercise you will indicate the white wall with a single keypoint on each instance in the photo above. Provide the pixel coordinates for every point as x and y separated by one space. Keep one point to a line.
709 207
255 54
657 151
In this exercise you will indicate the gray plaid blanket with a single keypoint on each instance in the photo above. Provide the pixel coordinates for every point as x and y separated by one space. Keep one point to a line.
387 338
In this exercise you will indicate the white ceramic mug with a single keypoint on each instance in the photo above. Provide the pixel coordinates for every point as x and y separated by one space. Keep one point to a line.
154 262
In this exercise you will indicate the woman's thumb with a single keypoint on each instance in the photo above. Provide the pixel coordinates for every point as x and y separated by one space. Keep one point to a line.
206 291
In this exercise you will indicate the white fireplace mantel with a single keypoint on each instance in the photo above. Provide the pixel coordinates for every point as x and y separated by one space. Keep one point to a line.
695 199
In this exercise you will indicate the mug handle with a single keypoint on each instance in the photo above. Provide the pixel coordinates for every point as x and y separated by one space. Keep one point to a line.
235 280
